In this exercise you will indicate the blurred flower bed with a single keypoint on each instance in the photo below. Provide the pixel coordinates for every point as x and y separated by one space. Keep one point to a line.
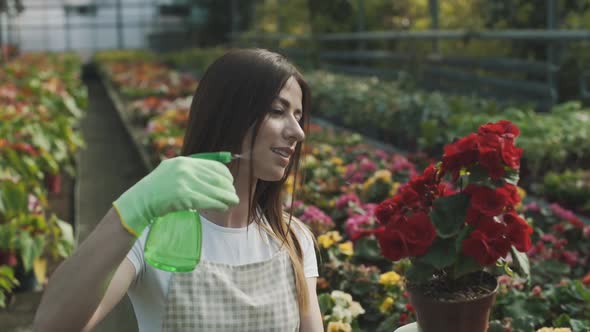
41 103
424 121
343 180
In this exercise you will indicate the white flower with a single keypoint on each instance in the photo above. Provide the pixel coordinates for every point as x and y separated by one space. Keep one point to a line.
341 314
341 298
356 309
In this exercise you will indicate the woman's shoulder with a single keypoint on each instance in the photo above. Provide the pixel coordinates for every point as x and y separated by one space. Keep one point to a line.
302 231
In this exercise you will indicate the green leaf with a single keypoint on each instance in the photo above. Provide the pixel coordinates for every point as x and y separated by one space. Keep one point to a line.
440 255
579 326
582 290
496 326
462 235
367 248
448 214
512 176
388 324
521 263
419 272
478 175
523 323
465 265
326 303
31 248
562 320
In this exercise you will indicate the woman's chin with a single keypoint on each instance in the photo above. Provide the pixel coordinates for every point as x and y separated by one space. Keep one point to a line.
273 176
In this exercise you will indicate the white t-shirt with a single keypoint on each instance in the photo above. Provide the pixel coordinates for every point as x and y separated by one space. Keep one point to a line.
233 246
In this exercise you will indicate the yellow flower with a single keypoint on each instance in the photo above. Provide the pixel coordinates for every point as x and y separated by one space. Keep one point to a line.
521 192
390 278
329 238
394 188
341 170
383 175
522 195
386 304
551 329
339 327
326 148
332 203
346 248
334 235
325 241
289 184
336 161
370 181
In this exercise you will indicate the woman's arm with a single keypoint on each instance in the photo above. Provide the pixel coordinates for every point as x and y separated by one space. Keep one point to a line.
312 320
78 286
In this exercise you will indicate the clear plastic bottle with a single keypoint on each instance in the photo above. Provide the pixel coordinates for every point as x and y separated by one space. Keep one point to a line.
174 240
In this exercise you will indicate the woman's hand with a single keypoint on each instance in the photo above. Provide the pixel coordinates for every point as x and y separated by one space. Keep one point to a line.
180 183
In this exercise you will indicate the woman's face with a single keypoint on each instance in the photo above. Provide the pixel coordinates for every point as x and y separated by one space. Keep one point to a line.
278 134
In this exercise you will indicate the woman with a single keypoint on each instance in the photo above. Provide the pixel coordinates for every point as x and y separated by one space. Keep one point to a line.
258 267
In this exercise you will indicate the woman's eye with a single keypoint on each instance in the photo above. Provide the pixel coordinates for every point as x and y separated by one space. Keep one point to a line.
277 111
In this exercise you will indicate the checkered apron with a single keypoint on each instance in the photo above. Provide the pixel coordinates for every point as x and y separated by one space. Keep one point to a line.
219 297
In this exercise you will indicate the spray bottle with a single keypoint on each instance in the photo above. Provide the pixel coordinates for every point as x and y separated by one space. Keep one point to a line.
174 240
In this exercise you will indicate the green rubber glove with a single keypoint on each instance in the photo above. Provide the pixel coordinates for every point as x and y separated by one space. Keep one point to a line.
180 183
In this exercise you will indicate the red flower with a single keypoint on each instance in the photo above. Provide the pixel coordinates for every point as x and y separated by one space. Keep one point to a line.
519 231
386 209
487 243
586 279
419 232
393 243
26 148
503 128
475 218
511 155
487 200
491 161
405 238
460 154
511 192
403 318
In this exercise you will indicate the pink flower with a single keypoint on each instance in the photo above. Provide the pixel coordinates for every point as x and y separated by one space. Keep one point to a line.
567 215
342 201
33 204
533 207
359 225
504 280
401 163
312 213
570 257
367 165
353 175
381 154
587 231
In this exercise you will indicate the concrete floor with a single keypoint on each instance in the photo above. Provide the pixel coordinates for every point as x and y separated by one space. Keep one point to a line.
107 167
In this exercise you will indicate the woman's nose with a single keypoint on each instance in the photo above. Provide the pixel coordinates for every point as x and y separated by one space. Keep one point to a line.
294 132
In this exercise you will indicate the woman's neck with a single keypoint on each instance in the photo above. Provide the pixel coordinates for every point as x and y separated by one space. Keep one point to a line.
236 216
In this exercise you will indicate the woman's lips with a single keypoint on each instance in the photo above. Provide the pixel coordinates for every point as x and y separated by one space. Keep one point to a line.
284 161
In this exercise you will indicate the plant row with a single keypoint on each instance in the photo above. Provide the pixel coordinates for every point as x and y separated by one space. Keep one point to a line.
556 144
41 102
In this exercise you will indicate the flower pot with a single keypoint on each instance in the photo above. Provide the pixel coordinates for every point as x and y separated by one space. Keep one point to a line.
27 280
53 183
471 315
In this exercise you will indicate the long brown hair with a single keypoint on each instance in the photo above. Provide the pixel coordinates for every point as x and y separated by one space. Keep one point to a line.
234 94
